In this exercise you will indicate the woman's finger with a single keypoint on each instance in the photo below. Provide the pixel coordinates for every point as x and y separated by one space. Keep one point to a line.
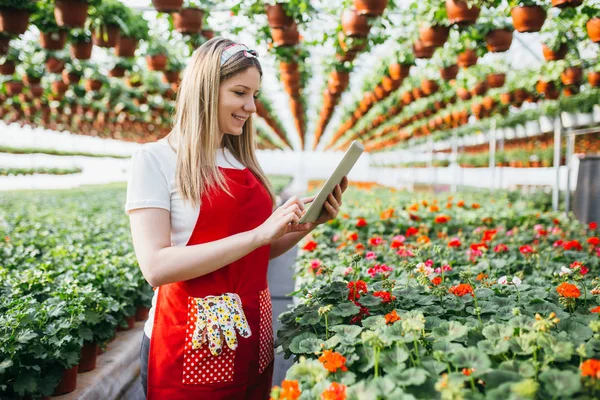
331 210
344 184
332 200
307 200
338 194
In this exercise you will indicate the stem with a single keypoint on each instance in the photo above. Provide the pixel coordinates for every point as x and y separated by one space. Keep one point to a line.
417 349
535 363
584 295
472 383
376 351
326 327
477 308
518 293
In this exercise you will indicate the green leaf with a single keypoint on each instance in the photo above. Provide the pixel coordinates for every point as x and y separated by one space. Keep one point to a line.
471 358
450 331
310 318
5 364
26 336
560 383
393 359
311 345
493 347
295 344
345 309
347 330
373 322
368 300
25 383
498 377
411 377
497 332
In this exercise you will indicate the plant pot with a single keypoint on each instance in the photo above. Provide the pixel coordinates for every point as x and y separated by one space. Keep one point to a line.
550 55
70 78
4 45
208 34
277 17
532 128
479 89
371 8
188 20
584 119
167 5
54 66
463 93
596 113
287 36
107 36
117 72
13 88
499 40
87 362
82 51
141 313
593 29
171 76
59 87
126 47
355 47
13 21
594 78
53 40
566 3
467 58
434 36
429 86
460 13
68 382
8 68
496 80
355 24
488 103
546 124
157 62
399 71
30 81
421 51
93 85
571 76
520 95
528 18
70 13
569 120
449 73
506 98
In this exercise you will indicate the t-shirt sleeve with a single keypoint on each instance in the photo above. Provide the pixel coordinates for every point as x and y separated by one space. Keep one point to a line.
147 186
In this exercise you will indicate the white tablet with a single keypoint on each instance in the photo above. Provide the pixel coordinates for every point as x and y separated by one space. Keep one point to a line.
314 209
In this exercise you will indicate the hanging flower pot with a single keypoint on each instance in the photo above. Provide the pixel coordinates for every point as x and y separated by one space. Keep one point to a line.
496 80
70 78
13 88
188 20
126 47
82 50
13 21
566 3
520 95
422 51
8 68
467 58
528 18
434 36
371 8
354 24
418 93
506 98
499 40
157 62
53 40
31 80
352 44
559 54
463 93
208 34
87 362
488 103
399 71
349 56
593 29
277 17
449 73
106 36
379 92
171 76
594 78
339 79
117 72
54 65
70 13
459 12
571 76
407 98
92 85
167 5
429 86
68 382
288 36
4 44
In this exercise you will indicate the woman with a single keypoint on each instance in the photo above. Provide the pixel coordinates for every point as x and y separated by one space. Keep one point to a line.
204 229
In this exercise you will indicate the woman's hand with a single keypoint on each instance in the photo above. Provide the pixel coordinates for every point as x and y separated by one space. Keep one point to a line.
283 220
332 205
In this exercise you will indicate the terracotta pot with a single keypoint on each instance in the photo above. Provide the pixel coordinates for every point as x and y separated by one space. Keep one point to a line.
499 40
528 18
593 29
59 87
171 76
54 66
87 362
388 84
82 51
496 80
571 76
520 95
285 67
407 98
354 24
372 8
4 44
29 80
167 5
117 72
463 93
543 86
141 313
8 68
460 13
349 56
422 51
208 33
449 73
288 36
434 36
68 382
467 59
108 36
594 78
277 17
157 62
429 86
70 78
339 78
399 71
188 20
566 3
92 85
13 21
488 103
550 55
70 13
53 40
13 88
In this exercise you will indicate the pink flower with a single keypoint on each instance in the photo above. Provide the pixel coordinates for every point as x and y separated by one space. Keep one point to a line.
336 238
398 241
429 263
473 254
510 233
315 264
371 255
556 230
379 269
558 243
598 251
501 248
537 227
526 249
348 271
439 270
405 253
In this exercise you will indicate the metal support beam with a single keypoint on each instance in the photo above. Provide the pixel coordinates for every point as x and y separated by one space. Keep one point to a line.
557 148
570 151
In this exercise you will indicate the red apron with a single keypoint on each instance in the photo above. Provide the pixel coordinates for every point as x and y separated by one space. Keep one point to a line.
175 370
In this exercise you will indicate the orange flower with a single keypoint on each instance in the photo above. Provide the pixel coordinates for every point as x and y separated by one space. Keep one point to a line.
423 239
413 207
437 280
591 368
392 317
333 361
345 216
336 391
462 289
387 214
449 205
475 206
481 276
461 203
595 310
442 219
434 208
425 203
468 371
569 290
289 390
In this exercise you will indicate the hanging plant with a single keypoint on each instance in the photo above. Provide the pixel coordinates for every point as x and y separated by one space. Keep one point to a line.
72 73
371 8
156 56
32 73
432 19
167 6
106 22
497 31
81 44
173 70
121 66
590 16
462 12
72 13
93 78
52 36
355 24
566 3
137 29
528 15
288 36
9 61
55 61
189 18
14 15
556 37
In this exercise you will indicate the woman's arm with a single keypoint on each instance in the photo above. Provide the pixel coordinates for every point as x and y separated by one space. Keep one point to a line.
284 243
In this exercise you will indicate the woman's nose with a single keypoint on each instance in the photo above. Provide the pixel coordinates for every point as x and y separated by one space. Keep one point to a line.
250 106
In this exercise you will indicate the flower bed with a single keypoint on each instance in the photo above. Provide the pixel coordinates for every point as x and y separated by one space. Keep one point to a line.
447 298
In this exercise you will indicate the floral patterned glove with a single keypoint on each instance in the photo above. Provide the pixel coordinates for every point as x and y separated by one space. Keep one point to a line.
218 317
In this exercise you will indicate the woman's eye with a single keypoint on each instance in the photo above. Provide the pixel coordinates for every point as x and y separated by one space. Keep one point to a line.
239 93
255 97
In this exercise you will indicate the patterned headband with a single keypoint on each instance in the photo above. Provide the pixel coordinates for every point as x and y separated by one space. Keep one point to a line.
236 48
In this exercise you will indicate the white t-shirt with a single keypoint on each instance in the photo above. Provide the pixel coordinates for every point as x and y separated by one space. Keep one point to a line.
152 185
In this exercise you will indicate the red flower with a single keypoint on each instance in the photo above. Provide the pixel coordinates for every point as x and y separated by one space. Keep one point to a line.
591 368
462 289
411 231
558 243
501 248
397 241
379 269
437 280
311 245
364 311
441 219
386 296
454 243
478 246
353 236
290 390
475 206
573 245
579 265
315 264
526 249
595 310
556 221
592 225
467 371
489 235
405 253
361 222
359 247
594 241
568 290
375 241
356 289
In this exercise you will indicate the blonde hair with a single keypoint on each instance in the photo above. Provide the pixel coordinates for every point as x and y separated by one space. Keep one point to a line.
196 129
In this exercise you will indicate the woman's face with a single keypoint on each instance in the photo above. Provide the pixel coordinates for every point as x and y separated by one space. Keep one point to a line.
236 101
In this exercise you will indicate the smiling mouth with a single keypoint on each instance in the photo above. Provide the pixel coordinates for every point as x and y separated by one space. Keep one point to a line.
242 119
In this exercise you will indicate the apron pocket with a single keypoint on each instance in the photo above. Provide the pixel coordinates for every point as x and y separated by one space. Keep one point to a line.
199 365
266 350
